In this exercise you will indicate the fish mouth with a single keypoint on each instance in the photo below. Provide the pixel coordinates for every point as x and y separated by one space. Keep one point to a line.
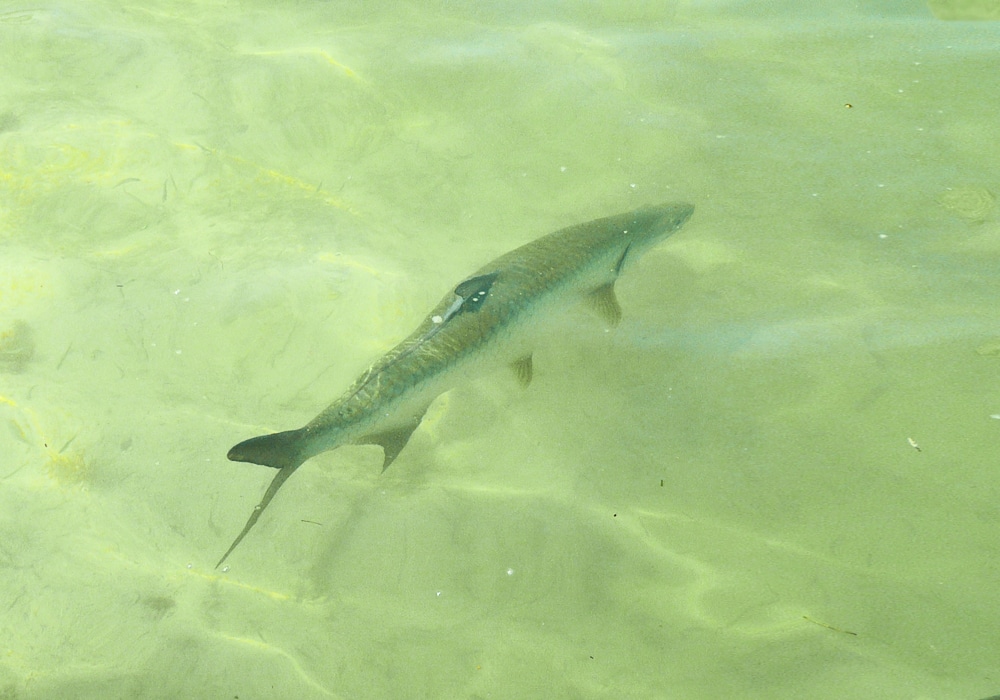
661 220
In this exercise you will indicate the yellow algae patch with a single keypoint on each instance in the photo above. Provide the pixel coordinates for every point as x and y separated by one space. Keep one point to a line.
272 649
153 564
965 9
64 466
990 349
703 256
344 261
17 347
590 55
18 285
49 165
973 204
319 53
226 580
59 182
122 251
266 176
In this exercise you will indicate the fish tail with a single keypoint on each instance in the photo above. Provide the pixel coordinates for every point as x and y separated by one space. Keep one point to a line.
278 450
284 452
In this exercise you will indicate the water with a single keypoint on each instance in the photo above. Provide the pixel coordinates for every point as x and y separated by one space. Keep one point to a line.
213 219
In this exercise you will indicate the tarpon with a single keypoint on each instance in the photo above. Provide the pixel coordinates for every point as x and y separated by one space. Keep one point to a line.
489 318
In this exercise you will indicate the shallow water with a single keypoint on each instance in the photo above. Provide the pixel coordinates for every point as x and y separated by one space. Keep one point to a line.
776 478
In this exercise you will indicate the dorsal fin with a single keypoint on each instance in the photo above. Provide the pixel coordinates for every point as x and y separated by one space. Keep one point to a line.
473 291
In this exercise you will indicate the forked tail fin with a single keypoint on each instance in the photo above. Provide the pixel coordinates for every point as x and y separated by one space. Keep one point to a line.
279 450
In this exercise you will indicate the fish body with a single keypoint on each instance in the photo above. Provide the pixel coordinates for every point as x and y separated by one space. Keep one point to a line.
490 318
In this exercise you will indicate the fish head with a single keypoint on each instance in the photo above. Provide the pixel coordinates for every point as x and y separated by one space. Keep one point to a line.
650 225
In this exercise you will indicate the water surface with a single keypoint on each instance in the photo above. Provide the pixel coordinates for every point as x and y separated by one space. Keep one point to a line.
777 478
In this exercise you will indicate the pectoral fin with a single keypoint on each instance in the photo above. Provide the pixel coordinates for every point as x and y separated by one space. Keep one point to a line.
605 303
522 369
393 440
603 299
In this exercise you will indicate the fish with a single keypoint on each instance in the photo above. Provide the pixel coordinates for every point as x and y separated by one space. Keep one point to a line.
493 317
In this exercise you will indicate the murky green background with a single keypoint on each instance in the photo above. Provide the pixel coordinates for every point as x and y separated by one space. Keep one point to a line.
213 216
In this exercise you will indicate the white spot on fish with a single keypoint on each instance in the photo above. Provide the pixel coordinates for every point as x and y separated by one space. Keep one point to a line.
436 319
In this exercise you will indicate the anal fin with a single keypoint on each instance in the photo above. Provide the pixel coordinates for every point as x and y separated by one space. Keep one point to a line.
605 303
393 440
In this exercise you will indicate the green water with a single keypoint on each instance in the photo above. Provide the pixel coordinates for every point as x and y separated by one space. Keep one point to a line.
777 478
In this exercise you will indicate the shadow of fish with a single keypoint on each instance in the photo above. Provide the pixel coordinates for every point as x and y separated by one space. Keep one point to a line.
488 319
